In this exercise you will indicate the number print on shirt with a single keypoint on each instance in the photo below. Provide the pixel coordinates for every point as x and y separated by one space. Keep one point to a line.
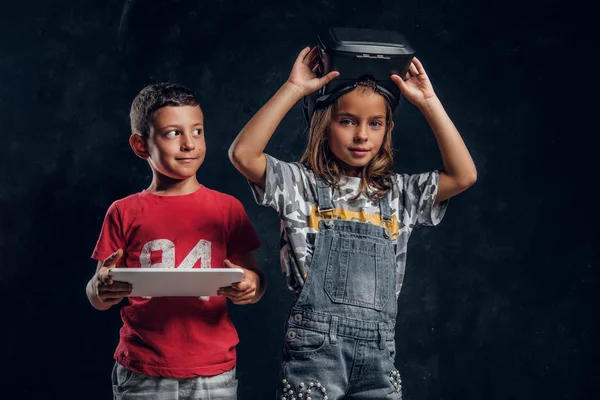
168 254
201 251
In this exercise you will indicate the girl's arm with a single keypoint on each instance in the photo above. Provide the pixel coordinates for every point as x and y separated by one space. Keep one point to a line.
246 151
459 169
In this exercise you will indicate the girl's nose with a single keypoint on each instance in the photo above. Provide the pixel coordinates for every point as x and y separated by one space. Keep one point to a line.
360 134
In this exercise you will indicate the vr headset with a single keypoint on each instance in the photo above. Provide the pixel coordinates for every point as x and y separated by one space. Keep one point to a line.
357 53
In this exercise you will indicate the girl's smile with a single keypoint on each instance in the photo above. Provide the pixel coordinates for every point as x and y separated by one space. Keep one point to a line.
359 152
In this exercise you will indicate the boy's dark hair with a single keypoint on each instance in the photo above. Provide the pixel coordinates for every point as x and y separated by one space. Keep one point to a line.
156 96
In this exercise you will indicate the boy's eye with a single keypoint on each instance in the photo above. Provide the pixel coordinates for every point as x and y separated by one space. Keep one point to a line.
197 132
171 134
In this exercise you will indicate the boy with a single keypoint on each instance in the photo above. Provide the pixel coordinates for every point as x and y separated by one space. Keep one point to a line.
174 347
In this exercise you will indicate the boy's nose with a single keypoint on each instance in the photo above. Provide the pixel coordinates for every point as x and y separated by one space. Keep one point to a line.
187 143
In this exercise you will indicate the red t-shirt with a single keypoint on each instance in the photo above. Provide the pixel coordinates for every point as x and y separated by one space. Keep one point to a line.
178 337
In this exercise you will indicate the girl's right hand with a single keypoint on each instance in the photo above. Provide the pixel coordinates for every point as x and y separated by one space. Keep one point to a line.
303 74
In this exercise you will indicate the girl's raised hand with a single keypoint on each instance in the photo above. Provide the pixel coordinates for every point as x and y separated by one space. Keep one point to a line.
303 72
415 86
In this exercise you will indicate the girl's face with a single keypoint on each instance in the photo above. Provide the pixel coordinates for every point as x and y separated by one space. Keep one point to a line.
357 129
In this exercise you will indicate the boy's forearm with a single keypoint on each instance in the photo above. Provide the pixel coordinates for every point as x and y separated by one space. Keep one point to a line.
260 291
251 264
252 140
458 163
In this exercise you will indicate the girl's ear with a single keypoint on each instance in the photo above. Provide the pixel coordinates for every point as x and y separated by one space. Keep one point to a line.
391 126
139 145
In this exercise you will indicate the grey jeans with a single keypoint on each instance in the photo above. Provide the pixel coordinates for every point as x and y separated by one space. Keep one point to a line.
130 385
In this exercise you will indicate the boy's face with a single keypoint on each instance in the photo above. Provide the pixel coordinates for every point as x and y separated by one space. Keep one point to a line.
175 145
357 129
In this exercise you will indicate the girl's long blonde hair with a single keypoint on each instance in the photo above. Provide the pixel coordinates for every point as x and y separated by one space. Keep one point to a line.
376 176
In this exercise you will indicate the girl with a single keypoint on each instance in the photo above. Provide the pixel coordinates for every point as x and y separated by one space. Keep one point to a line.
346 218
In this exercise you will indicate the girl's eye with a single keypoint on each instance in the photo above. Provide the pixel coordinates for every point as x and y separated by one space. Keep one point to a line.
171 134
345 122
376 124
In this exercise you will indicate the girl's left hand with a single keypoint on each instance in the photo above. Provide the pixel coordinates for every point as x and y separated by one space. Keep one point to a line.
416 86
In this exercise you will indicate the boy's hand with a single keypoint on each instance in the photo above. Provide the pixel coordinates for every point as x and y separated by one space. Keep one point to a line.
416 86
242 292
108 291
303 74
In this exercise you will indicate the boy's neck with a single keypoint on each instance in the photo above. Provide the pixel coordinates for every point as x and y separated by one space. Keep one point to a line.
165 186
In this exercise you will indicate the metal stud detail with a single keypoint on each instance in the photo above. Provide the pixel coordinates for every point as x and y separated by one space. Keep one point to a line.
304 391
396 381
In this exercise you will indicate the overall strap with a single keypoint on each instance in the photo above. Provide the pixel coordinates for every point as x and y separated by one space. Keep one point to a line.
323 196
386 210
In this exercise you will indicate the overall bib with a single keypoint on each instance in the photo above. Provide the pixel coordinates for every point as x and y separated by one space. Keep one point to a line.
339 337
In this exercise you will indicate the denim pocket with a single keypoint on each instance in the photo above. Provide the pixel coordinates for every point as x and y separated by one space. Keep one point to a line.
123 376
299 341
231 378
359 272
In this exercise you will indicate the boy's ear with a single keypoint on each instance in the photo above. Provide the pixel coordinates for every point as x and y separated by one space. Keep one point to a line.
139 146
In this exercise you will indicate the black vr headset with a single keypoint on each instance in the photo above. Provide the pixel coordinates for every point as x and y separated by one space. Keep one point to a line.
357 53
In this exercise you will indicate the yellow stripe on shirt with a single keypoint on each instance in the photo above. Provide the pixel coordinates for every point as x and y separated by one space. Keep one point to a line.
347 215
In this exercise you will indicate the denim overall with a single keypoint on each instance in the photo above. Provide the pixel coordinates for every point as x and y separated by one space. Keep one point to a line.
339 340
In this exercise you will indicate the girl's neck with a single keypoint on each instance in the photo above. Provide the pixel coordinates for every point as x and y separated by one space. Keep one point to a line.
349 170
165 186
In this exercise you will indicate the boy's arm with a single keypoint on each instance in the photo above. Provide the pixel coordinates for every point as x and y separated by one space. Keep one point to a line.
252 287
459 169
101 290
246 151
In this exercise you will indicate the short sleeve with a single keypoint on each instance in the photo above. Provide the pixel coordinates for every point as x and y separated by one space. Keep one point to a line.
418 195
242 236
285 186
111 236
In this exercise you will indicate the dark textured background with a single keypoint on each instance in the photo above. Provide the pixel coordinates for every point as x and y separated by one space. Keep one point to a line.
499 300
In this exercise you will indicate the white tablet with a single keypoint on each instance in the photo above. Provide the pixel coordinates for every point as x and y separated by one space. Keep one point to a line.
169 282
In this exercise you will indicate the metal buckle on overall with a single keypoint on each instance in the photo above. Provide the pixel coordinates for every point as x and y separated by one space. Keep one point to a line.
320 211
327 221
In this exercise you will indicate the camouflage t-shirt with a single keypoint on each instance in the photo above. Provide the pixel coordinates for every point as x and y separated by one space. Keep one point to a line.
291 190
